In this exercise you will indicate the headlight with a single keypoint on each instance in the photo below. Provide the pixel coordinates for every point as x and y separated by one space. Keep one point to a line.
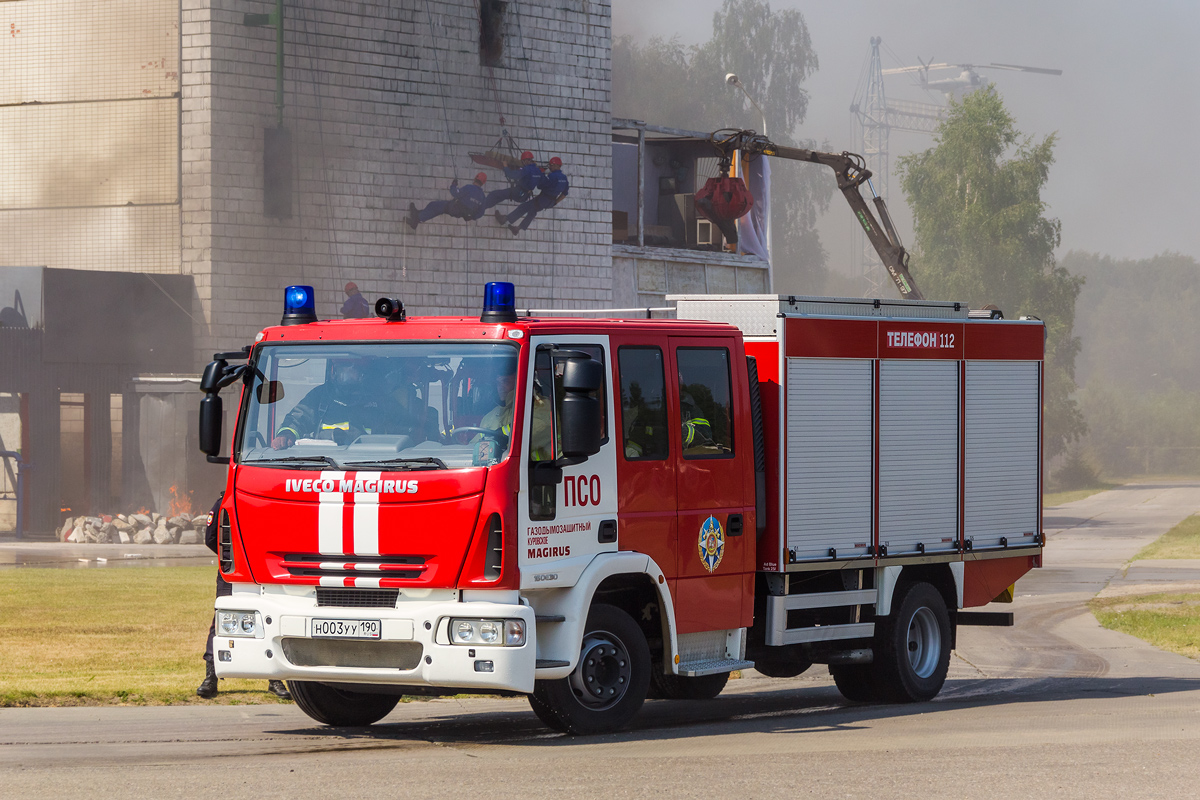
504 632
237 623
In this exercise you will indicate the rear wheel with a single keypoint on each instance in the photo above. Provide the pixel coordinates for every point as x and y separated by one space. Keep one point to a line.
683 687
912 651
609 683
328 704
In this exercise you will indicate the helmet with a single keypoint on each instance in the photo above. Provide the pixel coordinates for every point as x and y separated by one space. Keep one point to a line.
351 287
527 156
481 177
347 372
556 162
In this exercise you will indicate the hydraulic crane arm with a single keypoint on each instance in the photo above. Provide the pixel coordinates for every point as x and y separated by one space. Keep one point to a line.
851 172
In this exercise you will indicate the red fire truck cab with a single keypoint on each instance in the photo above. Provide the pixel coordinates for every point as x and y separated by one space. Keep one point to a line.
591 512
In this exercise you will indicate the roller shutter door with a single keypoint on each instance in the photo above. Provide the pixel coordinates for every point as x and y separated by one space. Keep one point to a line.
830 406
1002 452
918 455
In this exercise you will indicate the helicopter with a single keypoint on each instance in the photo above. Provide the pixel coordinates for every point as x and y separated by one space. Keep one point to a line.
968 79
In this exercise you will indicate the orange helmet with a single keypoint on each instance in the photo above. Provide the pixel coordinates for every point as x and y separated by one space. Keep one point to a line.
481 177
351 287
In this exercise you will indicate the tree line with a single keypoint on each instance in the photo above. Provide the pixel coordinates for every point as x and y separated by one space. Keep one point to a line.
1120 378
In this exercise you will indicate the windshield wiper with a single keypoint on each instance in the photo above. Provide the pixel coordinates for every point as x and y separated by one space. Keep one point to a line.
425 462
296 459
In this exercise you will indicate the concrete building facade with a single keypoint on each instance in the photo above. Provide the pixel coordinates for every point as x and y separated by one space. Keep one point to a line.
384 103
194 157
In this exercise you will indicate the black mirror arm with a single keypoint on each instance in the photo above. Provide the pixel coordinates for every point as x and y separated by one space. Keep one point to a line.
233 374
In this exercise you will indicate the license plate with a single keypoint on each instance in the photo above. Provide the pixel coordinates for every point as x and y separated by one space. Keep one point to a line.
345 628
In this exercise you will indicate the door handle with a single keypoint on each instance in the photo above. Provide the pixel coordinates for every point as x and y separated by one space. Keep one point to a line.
734 524
608 531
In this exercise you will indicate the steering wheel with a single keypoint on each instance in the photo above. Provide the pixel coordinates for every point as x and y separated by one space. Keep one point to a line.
262 442
492 432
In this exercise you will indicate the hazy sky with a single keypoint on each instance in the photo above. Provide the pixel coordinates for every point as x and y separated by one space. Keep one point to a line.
1125 179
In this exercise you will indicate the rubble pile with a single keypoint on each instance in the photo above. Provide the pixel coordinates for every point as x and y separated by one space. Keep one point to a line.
151 528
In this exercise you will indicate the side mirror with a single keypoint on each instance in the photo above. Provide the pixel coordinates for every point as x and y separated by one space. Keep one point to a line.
581 412
210 379
211 411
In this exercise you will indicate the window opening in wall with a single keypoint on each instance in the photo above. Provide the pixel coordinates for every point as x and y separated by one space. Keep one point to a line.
116 418
491 32
74 453
10 440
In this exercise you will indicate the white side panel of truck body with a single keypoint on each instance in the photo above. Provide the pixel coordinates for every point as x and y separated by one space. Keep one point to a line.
1001 452
918 455
830 421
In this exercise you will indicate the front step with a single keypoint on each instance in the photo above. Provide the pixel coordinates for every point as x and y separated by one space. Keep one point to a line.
696 669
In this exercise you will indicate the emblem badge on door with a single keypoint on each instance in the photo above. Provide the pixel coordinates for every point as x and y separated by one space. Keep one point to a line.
712 544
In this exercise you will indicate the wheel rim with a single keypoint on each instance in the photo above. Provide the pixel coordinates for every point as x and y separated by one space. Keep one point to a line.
924 642
602 676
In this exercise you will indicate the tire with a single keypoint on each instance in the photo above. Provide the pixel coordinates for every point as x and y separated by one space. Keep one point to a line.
609 683
858 683
328 704
683 687
912 653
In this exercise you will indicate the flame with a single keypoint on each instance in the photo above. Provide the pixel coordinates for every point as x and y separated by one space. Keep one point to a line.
180 503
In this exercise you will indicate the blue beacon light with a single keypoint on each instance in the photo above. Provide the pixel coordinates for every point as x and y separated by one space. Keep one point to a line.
499 302
299 305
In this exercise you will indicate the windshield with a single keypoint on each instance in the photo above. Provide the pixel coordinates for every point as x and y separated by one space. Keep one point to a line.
379 406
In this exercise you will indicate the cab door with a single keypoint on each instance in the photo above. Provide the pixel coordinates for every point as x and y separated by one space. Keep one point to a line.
712 448
646 462
564 525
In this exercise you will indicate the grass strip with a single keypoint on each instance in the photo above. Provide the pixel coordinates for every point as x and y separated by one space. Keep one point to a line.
1167 621
109 637
1182 541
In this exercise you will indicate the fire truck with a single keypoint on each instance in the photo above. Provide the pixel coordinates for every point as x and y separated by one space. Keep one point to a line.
591 512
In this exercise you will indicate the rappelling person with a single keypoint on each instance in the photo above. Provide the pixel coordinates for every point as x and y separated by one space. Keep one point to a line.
467 203
523 180
356 306
552 189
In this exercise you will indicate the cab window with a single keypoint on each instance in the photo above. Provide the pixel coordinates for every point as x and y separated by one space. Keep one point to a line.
643 404
705 408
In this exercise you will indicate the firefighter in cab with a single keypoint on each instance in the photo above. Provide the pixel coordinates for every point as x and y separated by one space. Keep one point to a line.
343 408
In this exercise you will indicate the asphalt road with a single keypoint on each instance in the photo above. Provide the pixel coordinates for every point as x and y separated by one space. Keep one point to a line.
1053 707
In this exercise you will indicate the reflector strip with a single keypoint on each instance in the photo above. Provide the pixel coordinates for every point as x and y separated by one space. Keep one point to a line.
366 523
329 518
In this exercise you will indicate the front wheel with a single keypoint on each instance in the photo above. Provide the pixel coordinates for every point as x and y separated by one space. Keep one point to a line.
328 704
913 646
609 683
683 687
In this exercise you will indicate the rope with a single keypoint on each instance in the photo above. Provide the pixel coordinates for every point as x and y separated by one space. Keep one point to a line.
314 71
441 81
528 78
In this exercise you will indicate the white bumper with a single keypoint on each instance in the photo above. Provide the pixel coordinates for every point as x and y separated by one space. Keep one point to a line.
413 649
